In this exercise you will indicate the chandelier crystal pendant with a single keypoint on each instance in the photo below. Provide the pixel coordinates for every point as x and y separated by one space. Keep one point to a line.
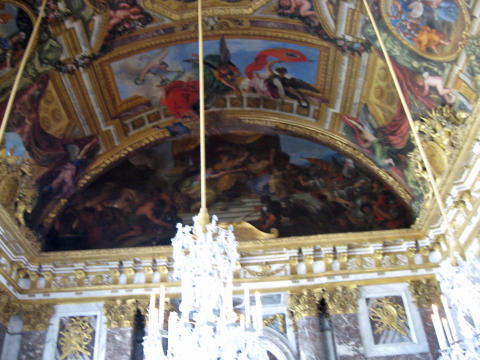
207 327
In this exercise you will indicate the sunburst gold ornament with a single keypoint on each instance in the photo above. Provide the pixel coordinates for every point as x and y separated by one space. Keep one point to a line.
388 315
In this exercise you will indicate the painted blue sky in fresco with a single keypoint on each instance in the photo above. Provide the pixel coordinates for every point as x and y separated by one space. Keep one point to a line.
10 28
299 149
243 52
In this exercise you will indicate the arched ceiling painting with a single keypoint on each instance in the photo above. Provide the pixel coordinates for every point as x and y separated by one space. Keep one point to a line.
305 131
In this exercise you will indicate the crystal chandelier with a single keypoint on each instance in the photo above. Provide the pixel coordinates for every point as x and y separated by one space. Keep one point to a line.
458 333
207 327
205 257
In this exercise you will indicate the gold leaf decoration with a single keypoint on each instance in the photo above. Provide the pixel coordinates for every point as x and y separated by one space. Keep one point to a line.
76 338
425 292
388 315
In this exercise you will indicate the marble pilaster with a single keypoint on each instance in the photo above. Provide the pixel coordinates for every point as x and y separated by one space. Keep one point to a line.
346 332
119 343
433 346
310 339
3 333
32 345
304 308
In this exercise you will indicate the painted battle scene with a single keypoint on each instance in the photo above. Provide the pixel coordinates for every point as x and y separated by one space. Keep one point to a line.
272 181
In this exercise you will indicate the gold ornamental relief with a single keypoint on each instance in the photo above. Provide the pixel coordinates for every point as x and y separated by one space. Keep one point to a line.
76 338
276 322
387 315
54 119
436 157
36 317
245 231
18 190
266 270
379 91
180 10
342 299
8 307
120 313
304 304
425 292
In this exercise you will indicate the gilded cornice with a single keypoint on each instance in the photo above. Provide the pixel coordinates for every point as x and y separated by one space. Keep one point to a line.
265 270
425 292
354 240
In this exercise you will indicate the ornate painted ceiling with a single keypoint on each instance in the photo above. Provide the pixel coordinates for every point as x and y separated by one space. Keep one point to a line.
305 131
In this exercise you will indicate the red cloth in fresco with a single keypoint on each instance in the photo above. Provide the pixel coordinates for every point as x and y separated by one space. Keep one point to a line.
396 132
180 96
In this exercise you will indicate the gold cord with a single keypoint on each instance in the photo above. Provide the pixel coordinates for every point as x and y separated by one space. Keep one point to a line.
203 214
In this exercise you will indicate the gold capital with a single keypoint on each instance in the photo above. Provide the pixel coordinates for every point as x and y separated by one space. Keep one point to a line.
425 292
341 299
304 304
36 317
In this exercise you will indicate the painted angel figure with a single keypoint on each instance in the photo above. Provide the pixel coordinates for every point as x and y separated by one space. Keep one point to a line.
159 67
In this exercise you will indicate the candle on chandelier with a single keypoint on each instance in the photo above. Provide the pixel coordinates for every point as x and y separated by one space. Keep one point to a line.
446 327
154 320
246 301
448 313
437 324
161 306
151 310
258 308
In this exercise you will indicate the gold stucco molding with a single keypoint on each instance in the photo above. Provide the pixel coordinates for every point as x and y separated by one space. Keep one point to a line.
276 319
425 292
120 313
341 299
36 317
8 307
303 304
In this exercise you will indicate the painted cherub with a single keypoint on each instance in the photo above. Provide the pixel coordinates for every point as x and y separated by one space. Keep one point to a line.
159 67
124 11
300 8
437 83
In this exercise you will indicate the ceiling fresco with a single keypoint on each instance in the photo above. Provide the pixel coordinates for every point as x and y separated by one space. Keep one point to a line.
107 112
272 181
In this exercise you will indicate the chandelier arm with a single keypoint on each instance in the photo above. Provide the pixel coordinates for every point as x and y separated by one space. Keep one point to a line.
203 213
18 77
428 167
